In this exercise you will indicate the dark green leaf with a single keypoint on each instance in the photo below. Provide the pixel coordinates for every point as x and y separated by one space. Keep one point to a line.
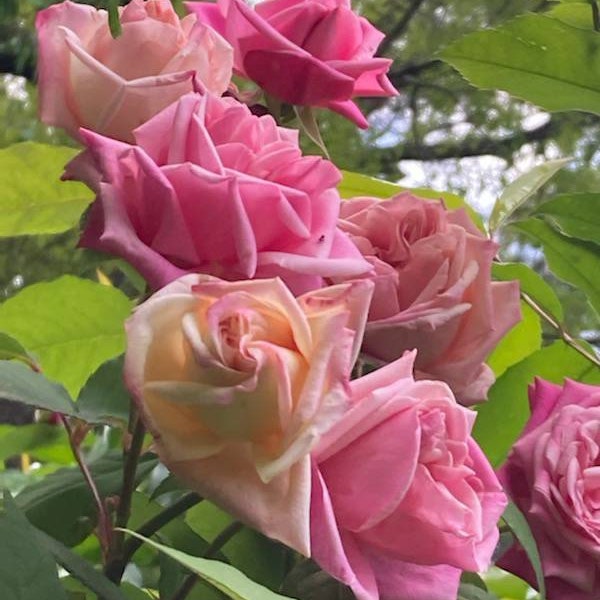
27 571
71 325
534 57
521 189
577 215
11 349
514 518
18 382
501 418
104 398
571 260
532 284
80 568
224 577
33 200
62 504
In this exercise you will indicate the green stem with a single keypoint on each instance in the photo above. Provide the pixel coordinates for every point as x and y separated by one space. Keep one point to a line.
115 566
190 581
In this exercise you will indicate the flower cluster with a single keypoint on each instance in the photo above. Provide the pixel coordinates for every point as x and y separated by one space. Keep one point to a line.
268 287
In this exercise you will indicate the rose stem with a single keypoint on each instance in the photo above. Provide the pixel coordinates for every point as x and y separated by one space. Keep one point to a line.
104 527
223 537
131 453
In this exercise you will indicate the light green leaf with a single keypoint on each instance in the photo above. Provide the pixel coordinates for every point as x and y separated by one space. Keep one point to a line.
521 189
531 284
501 419
576 215
506 585
536 58
27 571
573 261
70 325
573 12
62 505
468 591
224 577
19 383
521 341
28 438
79 568
355 184
517 523
104 398
33 200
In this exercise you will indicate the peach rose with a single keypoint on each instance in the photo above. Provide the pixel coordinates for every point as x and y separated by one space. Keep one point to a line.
433 289
88 79
238 380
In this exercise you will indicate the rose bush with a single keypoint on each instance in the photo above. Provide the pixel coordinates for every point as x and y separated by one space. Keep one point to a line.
403 499
211 188
313 53
237 381
433 289
89 79
552 476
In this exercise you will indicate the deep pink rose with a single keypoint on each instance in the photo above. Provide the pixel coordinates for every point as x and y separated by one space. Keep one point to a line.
433 289
88 79
403 499
237 382
553 476
305 52
211 188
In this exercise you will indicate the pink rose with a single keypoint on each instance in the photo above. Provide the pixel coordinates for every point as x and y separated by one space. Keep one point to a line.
211 188
403 499
237 382
88 79
552 475
433 289
306 52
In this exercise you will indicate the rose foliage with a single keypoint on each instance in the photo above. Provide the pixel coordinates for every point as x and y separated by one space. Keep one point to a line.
303 365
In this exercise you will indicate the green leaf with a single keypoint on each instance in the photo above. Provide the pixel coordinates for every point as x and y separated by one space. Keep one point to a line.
571 260
261 559
224 577
506 585
79 568
521 341
71 325
104 398
574 12
18 382
536 58
308 124
11 349
62 505
531 284
355 184
28 438
502 417
27 571
33 200
517 523
576 215
468 591
521 189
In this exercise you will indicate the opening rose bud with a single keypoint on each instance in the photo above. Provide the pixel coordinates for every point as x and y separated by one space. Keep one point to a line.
238 380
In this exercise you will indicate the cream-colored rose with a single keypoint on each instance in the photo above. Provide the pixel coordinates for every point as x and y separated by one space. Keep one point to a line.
238 380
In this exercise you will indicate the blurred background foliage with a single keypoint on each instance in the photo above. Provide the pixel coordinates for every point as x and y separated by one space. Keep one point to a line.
439 132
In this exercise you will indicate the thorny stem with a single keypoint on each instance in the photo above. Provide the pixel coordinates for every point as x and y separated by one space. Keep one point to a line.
151 526
104 525
215 546
115 565
565 335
